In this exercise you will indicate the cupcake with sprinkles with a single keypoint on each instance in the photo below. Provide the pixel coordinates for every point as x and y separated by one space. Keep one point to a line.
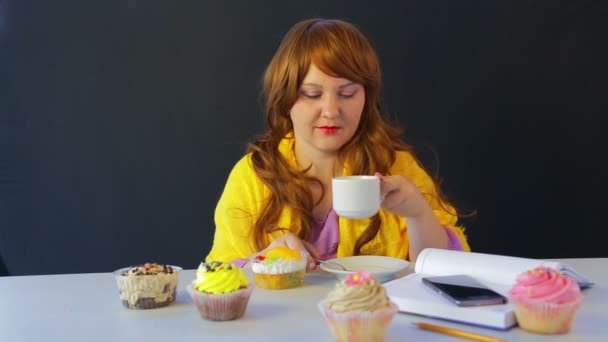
220 291
358 309
545 301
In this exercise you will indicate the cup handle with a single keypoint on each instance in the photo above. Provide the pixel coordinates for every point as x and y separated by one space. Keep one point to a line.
381 176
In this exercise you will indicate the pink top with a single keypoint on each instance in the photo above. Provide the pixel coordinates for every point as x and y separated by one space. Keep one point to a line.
326 236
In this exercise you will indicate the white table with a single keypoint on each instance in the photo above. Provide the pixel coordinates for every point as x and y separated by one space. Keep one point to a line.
85 307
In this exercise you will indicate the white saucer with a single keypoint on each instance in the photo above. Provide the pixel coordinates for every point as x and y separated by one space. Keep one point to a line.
383 268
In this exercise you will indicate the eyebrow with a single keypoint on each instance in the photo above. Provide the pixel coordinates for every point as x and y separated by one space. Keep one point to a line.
315 85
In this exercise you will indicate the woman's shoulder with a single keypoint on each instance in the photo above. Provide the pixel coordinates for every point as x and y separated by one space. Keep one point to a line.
243 176
243 166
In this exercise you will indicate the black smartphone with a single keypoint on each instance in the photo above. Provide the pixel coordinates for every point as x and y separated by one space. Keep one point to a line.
464 290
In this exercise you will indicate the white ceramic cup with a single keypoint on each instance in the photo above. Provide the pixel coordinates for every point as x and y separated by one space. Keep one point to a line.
356 196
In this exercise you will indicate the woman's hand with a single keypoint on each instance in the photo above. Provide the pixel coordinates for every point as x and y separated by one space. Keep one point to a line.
292 241
402 196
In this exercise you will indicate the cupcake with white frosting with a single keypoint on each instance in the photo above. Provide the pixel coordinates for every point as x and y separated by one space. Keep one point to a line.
279 268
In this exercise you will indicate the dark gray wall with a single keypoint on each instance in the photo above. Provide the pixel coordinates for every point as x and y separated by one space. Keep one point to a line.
120 120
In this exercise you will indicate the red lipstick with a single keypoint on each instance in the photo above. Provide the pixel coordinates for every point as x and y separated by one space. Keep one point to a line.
329 129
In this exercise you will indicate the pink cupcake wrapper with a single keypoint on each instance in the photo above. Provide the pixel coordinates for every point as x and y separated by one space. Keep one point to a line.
221 306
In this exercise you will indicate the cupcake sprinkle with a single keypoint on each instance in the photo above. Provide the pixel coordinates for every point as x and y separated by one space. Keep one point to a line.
149 268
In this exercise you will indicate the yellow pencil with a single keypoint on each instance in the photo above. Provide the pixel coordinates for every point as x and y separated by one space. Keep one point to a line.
460 333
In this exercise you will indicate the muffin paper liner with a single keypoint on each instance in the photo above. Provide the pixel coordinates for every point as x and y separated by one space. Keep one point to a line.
357 326
221 306
279 281
545 318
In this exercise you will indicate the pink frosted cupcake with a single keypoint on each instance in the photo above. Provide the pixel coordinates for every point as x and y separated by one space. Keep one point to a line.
358 309
545 301
220 291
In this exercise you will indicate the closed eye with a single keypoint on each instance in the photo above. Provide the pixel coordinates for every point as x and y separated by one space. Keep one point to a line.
347 94
310 95
317 95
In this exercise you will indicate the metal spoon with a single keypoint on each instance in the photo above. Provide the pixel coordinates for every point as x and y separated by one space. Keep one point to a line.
331 263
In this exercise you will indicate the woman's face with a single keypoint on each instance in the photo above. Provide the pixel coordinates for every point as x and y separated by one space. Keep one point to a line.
327 113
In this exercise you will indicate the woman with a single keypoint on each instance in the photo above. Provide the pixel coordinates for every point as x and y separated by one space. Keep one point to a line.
324 120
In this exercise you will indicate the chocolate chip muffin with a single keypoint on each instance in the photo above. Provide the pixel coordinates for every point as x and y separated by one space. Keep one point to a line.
147 286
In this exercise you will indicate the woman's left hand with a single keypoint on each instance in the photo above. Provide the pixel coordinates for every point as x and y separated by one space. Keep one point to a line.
402 196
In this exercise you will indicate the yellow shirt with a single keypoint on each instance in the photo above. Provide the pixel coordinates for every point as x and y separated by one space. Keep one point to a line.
244 197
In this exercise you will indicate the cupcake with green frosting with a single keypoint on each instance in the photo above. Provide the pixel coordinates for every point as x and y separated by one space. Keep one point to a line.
220 291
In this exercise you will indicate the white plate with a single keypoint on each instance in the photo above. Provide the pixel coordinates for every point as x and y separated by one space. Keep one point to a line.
383 268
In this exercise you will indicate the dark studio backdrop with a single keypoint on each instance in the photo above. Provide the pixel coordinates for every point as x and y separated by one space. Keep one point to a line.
120 120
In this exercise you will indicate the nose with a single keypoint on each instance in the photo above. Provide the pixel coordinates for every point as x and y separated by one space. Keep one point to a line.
330 107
